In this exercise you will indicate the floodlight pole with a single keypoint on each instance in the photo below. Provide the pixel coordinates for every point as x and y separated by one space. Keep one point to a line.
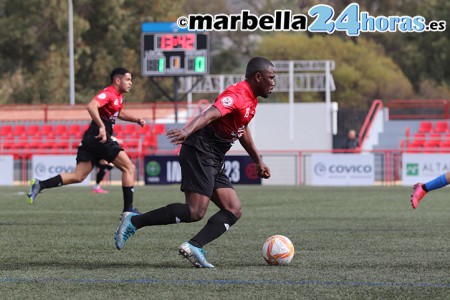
291 100
328 96
71 55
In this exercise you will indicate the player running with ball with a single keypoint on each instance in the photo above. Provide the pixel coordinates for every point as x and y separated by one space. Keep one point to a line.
205 141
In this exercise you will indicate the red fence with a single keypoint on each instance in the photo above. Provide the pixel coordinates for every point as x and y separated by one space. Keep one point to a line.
78 112
418 109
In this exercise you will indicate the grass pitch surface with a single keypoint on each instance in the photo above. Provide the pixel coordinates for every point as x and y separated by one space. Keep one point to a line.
355 243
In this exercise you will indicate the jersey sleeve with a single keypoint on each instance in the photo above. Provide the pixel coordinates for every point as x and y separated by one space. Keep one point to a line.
226 102
103 97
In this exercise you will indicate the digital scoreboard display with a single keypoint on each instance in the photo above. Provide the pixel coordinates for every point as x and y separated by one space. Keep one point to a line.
175 53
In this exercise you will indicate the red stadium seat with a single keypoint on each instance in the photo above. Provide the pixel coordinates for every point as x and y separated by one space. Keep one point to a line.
145 130
159 128
48 144
61 130
414 149
118 128
425 127
445 146
34 143
130 130
131 143
150 141
441 127
21 143
420 138
75 144
33 130
61 145
75 130
47 130
6 131
8 142
418 142
434 140
20 130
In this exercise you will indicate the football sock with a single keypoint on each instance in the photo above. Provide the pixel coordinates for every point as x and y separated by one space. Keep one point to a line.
128 192
216 226
170 214
51 182
101 173
436 183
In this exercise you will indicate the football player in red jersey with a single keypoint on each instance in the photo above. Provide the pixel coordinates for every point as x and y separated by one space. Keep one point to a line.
97 143
205 140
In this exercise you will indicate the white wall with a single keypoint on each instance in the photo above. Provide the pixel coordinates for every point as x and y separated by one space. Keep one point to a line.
271 127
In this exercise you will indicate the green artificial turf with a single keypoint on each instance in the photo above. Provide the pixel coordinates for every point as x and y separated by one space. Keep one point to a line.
352 243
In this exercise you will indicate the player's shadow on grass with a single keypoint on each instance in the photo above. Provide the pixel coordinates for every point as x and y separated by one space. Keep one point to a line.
77 265
90 265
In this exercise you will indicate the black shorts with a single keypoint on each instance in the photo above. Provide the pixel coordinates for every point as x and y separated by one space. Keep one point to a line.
92 150
200 172
201 160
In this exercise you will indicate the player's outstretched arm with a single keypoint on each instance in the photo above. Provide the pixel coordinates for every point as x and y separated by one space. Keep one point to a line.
246 141
178 136
126 116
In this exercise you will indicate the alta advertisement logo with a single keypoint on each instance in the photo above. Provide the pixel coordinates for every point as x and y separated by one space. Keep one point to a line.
412 169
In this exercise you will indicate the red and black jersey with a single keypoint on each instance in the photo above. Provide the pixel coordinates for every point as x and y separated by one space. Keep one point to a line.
237 104
110 106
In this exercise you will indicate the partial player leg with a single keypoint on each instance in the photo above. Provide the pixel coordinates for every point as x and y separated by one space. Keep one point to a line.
124 164
102 168
421 189
230 211
171 214
81 171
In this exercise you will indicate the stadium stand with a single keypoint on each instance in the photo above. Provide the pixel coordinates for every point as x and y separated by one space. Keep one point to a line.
57 129
24 140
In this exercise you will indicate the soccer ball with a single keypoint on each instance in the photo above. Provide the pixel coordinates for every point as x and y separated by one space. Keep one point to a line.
278 250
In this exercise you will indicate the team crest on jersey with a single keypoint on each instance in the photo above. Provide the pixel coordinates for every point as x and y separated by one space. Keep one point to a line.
226 101
102 96
116 102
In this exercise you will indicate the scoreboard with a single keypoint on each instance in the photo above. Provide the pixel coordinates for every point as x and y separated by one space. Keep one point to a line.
175 53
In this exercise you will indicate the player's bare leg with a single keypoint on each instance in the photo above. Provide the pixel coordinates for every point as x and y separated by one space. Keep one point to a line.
227 198
82 170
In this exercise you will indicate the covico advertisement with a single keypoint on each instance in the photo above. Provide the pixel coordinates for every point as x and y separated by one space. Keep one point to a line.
343 169
46 166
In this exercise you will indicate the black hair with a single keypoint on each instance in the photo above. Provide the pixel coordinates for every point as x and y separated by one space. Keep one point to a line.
118 71
257 64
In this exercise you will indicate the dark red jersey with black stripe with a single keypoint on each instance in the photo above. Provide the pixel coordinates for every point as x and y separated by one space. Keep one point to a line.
237 104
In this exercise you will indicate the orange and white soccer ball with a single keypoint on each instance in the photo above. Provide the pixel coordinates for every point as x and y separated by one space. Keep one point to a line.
278 250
